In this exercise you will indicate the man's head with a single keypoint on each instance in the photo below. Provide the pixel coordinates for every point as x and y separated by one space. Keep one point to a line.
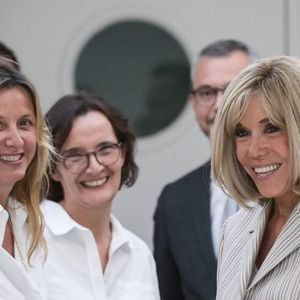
216 66
9 55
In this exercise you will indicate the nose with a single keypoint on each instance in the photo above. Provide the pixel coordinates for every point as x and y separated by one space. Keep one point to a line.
257 146
94 164
14 138
218 100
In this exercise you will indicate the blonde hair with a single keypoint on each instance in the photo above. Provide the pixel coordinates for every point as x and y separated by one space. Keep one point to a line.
275 81
28 190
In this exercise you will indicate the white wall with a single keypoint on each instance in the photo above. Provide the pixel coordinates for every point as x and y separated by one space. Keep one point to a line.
47 35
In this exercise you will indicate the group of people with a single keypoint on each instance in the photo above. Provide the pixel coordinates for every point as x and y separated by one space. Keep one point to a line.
60 173
78 156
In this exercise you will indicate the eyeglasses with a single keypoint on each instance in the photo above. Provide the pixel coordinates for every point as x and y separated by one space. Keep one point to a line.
106 155
207 95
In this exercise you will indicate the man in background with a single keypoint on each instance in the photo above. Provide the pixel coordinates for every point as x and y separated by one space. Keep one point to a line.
191 210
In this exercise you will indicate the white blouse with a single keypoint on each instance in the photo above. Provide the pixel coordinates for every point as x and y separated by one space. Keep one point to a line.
18 279
74 270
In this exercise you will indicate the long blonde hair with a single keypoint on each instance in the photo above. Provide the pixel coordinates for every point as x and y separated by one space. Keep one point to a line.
275 82
28 190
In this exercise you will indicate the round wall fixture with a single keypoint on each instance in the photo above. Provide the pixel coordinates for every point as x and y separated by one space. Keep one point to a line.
140 68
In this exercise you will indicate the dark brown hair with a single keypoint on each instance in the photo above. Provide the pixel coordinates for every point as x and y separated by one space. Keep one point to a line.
60 118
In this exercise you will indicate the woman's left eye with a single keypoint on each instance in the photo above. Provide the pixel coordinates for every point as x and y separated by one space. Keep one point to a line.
25 123
241 132
270 128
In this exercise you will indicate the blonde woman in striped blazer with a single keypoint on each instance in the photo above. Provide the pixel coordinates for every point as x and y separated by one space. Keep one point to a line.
256 159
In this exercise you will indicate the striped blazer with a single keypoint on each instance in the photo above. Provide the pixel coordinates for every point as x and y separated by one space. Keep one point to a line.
278 278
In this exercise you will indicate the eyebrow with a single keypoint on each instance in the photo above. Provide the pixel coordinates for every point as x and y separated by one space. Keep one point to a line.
265 120
213 86
75 150
30 115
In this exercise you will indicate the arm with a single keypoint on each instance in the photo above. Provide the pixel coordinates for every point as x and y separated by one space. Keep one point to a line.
168 275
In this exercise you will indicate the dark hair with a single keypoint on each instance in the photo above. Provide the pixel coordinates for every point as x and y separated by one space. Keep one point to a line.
226 47
60 118
9 55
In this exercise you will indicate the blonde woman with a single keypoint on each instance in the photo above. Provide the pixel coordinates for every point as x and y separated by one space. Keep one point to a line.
24 152
255 145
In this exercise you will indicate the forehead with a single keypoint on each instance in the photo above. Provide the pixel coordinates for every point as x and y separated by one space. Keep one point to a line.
254 111
15 100
218 71
90 129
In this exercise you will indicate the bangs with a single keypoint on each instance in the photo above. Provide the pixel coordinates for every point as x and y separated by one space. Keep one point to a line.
236 110
275 110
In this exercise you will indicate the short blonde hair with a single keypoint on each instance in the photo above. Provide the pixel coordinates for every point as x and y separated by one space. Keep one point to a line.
28 190
275 81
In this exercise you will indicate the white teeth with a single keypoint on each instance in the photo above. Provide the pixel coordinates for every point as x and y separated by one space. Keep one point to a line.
94 183
266 169
10 157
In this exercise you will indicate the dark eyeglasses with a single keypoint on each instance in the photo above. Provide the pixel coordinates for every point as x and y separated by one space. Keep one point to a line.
207 95
106 155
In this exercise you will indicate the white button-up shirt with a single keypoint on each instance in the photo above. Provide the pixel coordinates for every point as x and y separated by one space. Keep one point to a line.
74 270
16 282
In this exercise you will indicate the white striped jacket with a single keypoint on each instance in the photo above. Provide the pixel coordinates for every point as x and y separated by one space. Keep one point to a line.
278 278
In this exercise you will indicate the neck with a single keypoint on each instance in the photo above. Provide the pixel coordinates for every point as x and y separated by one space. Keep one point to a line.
282 208
98 222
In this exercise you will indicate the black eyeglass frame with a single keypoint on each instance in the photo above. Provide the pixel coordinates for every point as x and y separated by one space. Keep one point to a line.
62 158
214 90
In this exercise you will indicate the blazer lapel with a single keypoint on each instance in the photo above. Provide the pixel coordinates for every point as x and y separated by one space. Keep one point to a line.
287 242
255 231
201 216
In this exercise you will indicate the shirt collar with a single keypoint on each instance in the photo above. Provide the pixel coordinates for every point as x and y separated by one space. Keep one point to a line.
59 222
3 221
121 237
17 212
57 219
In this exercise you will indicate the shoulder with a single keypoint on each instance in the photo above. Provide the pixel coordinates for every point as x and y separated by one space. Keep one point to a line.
200 173
57 220
241 223
50 209
192 186
122 235
245 214
190 182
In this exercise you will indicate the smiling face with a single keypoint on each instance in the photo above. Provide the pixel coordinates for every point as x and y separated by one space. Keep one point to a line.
263 151
96 185
17 137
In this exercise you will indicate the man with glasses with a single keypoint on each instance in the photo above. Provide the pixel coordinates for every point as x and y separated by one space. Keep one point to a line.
191 211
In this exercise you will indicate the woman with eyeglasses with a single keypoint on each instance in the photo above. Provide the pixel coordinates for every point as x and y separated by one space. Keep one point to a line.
91 255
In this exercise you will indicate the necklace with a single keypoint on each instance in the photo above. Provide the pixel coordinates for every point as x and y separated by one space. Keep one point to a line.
17 244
